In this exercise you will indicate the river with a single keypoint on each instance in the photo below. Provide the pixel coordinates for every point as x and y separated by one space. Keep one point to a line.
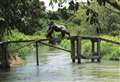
55 65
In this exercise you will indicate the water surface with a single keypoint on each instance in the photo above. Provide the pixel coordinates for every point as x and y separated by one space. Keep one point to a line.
56 65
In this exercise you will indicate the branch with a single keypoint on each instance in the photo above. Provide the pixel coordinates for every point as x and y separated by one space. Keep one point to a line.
114 4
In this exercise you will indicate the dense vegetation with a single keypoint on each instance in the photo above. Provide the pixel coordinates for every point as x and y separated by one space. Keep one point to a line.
28 19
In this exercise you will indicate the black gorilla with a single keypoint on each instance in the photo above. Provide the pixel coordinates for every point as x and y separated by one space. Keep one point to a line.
57 28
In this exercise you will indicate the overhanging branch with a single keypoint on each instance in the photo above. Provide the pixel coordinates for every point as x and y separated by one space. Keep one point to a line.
114 3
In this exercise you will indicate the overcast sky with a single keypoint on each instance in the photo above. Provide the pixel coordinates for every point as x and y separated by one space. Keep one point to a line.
55 5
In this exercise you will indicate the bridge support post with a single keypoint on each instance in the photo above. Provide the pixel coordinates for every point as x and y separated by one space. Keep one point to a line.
73 50
4 56
78 49
98 51
93 50
37 57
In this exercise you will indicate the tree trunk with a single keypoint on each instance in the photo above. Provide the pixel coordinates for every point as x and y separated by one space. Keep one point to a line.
4 56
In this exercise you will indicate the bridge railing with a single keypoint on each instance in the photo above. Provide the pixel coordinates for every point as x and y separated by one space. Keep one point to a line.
110 41
8 48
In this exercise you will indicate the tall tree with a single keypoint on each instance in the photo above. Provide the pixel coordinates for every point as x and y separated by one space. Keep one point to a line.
19 14
92 15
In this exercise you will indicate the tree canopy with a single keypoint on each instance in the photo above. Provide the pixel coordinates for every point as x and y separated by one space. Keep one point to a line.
20 14
26 14
114 3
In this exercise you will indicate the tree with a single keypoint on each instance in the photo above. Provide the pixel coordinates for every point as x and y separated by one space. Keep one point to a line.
114 3
20 14
91 14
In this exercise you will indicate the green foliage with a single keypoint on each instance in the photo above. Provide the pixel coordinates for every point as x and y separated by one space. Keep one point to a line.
74 5
108 51
15 35
62 13
86 48
101 2
103 19
23 52
111 51
65 44
75 20
20 14
113 38
30 17
53 15
20 49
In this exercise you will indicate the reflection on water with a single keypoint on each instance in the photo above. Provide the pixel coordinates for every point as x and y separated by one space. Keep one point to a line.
55 65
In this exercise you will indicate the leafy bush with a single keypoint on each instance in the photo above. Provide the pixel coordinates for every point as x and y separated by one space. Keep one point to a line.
86 48
110 51
65 43
23 52
18 48
75 20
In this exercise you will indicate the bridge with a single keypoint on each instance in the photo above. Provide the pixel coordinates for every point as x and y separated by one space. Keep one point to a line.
76 49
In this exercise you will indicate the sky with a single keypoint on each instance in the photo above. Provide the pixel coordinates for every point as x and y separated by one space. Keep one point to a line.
56 5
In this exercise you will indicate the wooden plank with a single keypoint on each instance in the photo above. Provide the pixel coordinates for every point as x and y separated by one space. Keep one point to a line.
54 46
95 57
23 41
84 37
110 41
88 57
96 38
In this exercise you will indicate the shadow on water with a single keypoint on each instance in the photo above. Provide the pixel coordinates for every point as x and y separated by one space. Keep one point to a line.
56 65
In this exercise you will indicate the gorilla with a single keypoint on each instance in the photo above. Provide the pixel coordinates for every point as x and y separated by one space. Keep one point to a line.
57 28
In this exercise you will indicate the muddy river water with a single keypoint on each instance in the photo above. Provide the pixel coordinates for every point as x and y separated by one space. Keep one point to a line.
55 65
